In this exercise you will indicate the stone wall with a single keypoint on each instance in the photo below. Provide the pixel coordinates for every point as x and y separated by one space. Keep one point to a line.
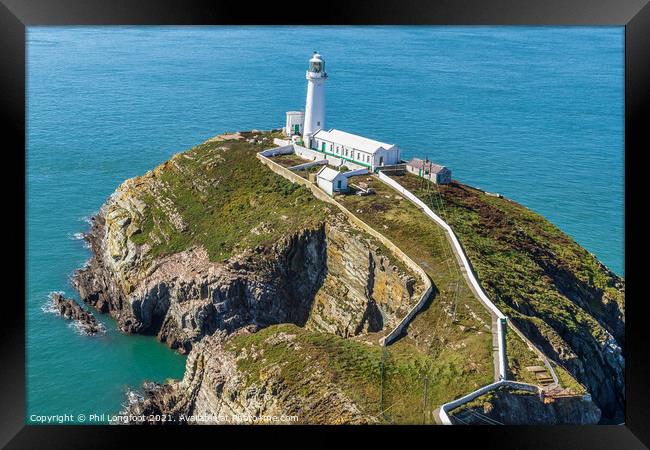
318 193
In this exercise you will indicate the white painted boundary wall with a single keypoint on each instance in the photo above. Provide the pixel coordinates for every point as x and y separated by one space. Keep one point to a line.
281 142
284 150
321 195
304 166
354 173
464 262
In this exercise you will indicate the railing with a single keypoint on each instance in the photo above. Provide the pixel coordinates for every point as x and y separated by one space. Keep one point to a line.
447 407
464 263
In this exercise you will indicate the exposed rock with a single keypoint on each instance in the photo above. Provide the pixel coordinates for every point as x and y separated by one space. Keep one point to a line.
518 407
215 391
71 310
329 278
557 293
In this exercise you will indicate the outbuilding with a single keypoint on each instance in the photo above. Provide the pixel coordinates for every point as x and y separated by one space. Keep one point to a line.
331 180
295 122
431 171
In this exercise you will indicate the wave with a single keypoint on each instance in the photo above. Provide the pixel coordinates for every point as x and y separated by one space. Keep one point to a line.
88 219
48 307
78 327
133 396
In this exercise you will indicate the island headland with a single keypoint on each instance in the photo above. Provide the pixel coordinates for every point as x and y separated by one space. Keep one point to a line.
313 276
283 302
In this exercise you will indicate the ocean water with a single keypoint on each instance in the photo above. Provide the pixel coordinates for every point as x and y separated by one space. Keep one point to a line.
535 113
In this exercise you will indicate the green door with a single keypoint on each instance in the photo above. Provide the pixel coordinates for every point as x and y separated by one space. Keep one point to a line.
296 128
323 146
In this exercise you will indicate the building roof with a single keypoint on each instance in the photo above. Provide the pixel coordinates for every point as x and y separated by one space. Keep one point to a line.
328 174
352 140
427 165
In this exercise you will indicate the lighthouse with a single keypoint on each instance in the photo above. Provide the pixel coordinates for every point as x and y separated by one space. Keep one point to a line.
315 105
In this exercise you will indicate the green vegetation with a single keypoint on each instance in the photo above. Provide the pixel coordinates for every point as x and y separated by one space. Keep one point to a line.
535 273
218 195
519 357
567 381
309 361
227 200
450 340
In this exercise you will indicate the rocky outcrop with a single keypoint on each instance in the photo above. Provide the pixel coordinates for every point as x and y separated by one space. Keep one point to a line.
517 407
215 390
330 278
71 310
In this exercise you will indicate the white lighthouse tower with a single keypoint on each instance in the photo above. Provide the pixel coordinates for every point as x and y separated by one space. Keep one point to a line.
315 106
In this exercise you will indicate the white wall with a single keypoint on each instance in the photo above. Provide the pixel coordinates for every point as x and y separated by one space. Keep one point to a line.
464 263
353 173
325 185
283 150
294 118
314 107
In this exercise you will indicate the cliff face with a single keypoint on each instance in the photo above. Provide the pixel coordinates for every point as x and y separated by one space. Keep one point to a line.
217 391
327 276
506 406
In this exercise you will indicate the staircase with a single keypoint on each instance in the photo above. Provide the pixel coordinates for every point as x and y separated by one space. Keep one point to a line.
541 374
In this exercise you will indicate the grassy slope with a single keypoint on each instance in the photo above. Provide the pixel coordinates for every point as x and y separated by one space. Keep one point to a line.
449 342
355 366
519 257
351 364
223 192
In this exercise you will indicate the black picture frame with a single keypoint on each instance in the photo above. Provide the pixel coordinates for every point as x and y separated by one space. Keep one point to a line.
16 15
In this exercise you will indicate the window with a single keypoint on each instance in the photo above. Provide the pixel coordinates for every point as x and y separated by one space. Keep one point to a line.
316 66
338 184
318 124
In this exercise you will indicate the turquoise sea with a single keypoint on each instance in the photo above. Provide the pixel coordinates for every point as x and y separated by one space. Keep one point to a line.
535 113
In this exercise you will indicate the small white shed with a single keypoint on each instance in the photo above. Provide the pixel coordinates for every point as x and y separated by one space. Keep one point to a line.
295 122
331 180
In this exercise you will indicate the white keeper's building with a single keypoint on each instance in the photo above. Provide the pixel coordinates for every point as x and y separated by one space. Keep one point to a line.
310 131
331 180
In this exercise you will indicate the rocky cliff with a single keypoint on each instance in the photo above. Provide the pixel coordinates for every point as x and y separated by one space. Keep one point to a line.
517 407
323 274
277 376
330 278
